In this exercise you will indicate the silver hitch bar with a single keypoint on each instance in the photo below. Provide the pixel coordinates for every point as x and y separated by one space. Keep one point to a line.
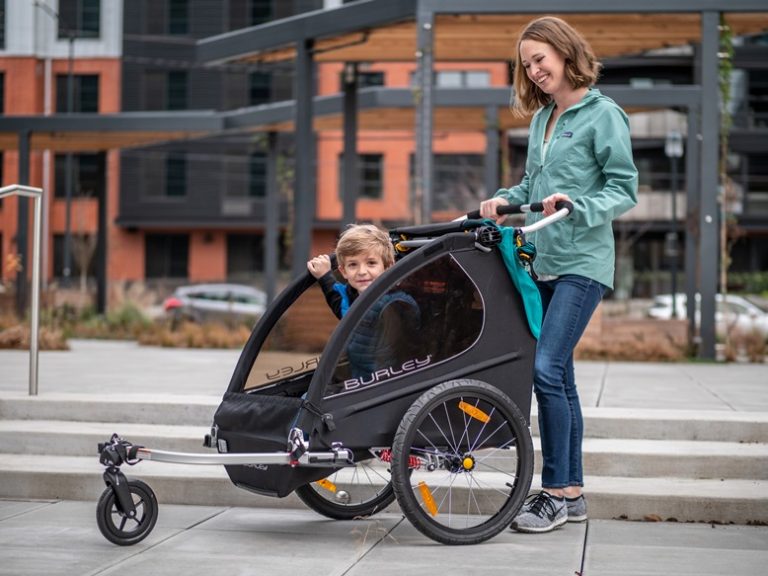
338 456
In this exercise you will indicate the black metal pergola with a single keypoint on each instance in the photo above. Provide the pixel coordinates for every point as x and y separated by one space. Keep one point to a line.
426 32
475 30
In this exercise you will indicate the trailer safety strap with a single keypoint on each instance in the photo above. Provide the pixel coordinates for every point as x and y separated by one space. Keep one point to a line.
325 417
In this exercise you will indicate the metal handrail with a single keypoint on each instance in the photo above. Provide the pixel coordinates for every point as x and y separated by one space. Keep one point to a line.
37 195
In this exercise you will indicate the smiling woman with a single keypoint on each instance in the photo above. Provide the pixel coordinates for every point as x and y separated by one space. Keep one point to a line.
579 151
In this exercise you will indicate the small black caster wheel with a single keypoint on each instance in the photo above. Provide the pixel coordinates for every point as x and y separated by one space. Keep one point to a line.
117 526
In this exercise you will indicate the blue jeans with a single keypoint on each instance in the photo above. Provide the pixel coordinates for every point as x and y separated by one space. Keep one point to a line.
569 302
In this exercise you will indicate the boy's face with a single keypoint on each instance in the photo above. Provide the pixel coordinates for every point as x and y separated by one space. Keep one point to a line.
362 269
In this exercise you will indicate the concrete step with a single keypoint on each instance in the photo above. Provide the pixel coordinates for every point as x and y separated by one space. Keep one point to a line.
162 409
66 438
685 500
712 425
602 457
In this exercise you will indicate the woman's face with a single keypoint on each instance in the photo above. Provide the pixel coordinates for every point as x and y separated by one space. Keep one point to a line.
544 66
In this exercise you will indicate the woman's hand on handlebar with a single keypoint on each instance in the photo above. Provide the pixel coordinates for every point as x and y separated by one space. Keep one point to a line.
550 201
488 209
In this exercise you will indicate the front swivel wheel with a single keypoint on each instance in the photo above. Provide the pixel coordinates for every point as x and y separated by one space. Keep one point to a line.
126 529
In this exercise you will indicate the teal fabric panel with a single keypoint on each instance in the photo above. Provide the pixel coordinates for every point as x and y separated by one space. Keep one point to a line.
525 285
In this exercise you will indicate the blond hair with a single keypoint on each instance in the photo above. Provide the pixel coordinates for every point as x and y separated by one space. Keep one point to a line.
581 67
360 238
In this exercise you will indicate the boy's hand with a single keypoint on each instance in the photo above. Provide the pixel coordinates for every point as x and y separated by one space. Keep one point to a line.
319 266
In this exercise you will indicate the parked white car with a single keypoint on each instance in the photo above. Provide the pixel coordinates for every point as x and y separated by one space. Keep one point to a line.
203 302
731 313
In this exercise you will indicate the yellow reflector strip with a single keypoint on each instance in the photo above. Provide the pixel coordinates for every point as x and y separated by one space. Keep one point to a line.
327 484
473 412
429 502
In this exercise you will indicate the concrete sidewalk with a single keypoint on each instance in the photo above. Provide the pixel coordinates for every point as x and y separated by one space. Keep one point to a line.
146 385
55 538
125 368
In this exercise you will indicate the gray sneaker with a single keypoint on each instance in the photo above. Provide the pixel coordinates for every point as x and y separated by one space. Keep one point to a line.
541 513
577 509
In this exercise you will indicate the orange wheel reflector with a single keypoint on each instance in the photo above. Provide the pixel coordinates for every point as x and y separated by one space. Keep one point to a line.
327 484
429 501
473 412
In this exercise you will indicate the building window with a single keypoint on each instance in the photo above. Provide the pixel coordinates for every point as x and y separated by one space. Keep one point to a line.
176 175
166 90
82 255
80 18
258 175
459 78
177 90
370 174
89 175
85 93
245 256
364 79
2 92
458 181
259 88
261 11
178 17
166 255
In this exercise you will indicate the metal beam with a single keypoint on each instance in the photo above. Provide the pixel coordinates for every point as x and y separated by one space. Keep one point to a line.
491 168
22 226
304 190
194 121
425 59
271 220
370 98
693 206
350 162
355 17
102 259
710 142
593 6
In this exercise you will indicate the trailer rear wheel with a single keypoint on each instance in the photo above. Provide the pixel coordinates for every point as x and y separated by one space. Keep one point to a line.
462 462
118 527
350 493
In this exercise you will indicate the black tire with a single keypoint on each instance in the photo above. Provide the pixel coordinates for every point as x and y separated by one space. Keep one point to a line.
116 526
350 493
462 462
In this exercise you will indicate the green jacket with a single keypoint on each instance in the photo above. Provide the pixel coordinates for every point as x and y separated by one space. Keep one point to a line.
590 160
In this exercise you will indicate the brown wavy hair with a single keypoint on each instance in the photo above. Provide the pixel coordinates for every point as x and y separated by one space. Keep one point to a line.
581 67
359 238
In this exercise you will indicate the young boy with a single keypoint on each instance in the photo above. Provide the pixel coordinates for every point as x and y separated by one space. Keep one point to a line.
363 253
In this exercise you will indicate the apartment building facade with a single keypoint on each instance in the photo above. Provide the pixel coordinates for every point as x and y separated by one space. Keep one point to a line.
55 58
193 211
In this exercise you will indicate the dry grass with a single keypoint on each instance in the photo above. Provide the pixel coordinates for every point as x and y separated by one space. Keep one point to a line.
190 335
750 345
640 348
17 338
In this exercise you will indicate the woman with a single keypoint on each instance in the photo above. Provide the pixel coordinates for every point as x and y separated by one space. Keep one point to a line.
579 150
